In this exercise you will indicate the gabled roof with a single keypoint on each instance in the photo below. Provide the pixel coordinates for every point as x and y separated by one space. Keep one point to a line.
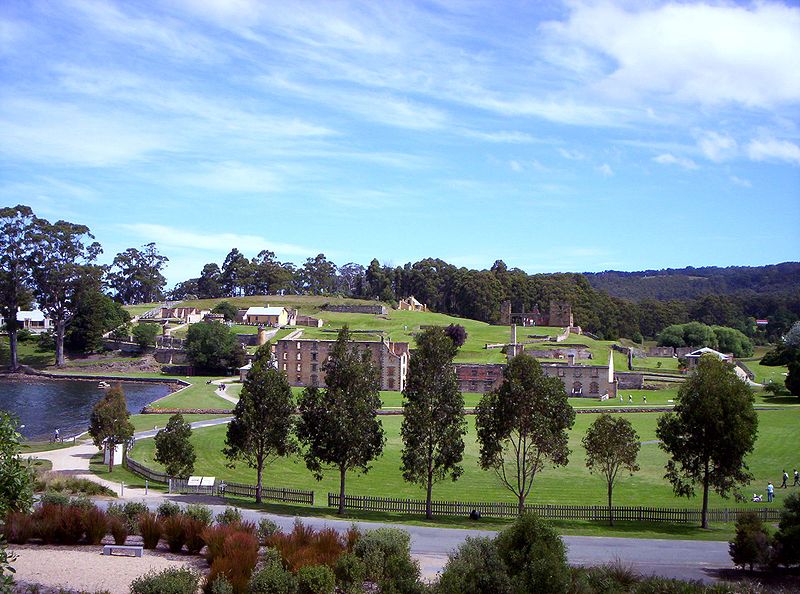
264 311
34 316
707 351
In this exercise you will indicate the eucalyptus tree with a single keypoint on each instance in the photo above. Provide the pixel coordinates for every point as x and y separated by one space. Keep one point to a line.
63 254
17 226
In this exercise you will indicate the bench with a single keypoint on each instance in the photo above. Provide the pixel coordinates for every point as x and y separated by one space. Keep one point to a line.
135 549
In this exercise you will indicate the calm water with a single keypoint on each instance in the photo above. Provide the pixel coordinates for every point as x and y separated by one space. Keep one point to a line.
43 406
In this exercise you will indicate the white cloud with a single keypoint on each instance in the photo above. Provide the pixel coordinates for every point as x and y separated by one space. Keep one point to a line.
741 181
232 176
771 149
515 165
670 159
605 170
572 155
212 240
717 147
698 52
511 137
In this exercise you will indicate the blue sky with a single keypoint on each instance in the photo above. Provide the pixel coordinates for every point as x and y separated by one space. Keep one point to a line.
576 136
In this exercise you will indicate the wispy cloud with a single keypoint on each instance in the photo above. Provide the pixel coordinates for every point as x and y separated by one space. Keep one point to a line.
605 170
717 146
212 240
744 183
670 159
771 149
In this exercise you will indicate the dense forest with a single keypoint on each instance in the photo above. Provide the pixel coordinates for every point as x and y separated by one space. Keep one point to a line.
477 294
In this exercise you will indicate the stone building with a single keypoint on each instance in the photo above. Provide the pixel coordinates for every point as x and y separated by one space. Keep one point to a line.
559 314
479 377
411 304
301 359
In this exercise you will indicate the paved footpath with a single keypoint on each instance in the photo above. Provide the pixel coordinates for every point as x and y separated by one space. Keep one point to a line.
684 559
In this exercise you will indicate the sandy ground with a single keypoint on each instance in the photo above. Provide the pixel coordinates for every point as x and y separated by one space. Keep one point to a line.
86 568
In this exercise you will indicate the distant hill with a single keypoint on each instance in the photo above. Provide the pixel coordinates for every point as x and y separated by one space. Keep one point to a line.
688 283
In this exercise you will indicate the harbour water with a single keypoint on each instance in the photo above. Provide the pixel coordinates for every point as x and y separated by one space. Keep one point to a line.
45 405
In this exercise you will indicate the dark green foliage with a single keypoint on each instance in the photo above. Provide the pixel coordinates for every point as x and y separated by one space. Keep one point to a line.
227 309
534 555
522 426
16 476
433 424
751 545
95 314
788 536
173 448
108 423
315 579
230 515
144 334
151 528
611 445
266 528
273 579
351 400
213 347
350 573
262 427
136 275
54 498
221 585
168 581
712 429
731 340
476 567
792 381
457 333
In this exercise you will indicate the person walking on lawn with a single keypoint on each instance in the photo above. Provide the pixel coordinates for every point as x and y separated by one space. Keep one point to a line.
784 484
770 492
796 478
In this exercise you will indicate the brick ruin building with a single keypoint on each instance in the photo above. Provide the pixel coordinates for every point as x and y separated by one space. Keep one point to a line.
301 359
559 314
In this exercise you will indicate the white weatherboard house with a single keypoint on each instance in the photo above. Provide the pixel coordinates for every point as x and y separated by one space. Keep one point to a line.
268 316
34 320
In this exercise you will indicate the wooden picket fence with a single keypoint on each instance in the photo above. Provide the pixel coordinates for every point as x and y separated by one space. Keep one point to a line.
551 512
281 494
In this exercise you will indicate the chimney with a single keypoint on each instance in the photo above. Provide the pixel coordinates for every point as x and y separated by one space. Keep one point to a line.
571 359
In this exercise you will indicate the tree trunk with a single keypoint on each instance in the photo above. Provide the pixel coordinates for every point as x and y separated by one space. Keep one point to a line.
428 512
342 473
259 471
521 504
12 344
110 449
704 516
610 513
60 327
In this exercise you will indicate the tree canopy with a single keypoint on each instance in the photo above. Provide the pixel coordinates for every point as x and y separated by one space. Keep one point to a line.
433 424
16 477
136 275
108 424
522 426
338 425
262 428
709 434
213 347
173 448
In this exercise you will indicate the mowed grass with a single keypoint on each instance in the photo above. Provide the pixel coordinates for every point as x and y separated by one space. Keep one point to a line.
573 484
28 353
140 308
148 422
199 395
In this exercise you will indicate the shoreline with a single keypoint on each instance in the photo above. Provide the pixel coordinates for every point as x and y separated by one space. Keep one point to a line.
24 374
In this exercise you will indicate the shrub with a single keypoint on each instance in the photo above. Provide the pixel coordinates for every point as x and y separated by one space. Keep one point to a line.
221 585
214 537
475 567
96 524
386 553
18 527
70 525
133 511
194 535
305 546
151 528
199 512
46 521
273 579
54 498
118 529
534 555
175 532
236 562
350 573
168 581
266 528
315 579
751 545
81 502
168 508
231 515
58 483
612 577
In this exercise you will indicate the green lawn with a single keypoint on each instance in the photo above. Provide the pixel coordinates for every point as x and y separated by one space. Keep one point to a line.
199 395
139 308
148 422
764 373
28 353
569 485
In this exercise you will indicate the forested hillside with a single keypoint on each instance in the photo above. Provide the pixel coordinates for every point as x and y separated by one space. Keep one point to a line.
687 283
